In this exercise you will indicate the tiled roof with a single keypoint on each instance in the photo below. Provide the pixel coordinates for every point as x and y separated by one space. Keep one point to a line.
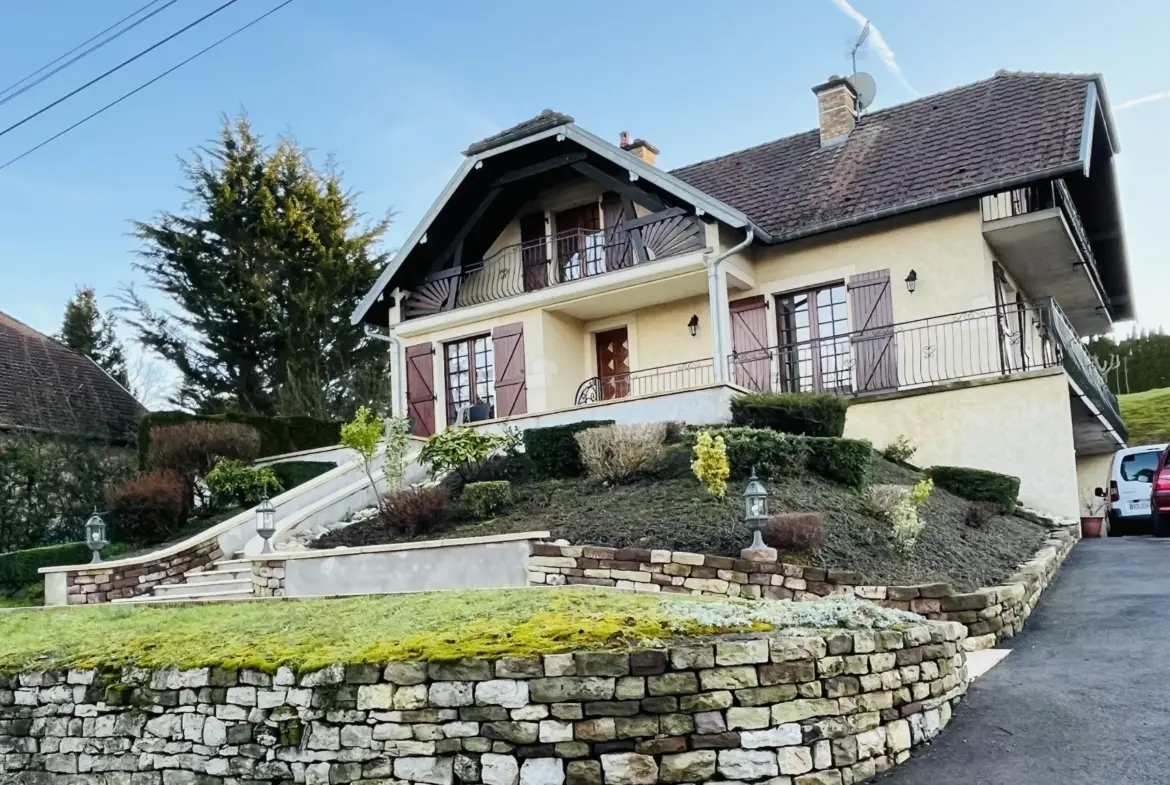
47 387
545 120
1009 126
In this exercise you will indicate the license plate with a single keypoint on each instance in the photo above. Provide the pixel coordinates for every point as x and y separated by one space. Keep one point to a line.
1139 506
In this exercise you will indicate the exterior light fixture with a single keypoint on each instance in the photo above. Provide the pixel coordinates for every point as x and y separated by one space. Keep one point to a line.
912 282
95 536
693 324
755 509
266 522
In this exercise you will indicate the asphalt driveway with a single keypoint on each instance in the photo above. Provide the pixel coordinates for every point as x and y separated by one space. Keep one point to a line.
1084 697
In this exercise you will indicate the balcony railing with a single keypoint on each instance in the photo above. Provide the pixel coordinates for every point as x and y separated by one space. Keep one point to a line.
985 342
561 258
649 381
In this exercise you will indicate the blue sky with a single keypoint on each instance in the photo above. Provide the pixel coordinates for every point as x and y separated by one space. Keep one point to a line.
395 90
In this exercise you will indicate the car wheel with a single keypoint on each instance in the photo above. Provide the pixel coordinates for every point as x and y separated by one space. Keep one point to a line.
1161 525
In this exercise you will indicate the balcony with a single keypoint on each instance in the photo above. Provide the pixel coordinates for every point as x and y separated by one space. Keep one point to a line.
649 381
978 344
557 260
1040 239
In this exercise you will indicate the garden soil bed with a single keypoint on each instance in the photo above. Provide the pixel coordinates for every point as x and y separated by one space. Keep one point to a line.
676 514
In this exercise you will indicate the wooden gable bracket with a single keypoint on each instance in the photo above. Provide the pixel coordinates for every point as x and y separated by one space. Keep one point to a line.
540 167
637 194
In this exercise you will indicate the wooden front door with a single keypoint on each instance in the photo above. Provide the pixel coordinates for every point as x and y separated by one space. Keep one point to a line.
613 363
751 366
580 244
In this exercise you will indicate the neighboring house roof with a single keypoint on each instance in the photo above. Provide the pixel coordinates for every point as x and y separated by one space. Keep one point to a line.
1012 127
47 387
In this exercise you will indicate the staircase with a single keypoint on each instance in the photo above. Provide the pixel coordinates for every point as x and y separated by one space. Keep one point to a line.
228 579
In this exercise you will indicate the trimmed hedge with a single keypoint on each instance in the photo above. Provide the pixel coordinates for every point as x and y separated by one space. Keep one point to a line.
978 485
555 452
773 454
804 414
294 473
18 569
484 499
278 435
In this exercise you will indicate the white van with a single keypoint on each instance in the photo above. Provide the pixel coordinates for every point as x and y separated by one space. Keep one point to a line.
1130 479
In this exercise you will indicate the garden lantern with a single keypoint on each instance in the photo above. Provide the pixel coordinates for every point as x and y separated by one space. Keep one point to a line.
95 536
912 282
266 522
755 509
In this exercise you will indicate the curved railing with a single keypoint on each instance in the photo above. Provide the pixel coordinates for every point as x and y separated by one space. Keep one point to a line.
648 381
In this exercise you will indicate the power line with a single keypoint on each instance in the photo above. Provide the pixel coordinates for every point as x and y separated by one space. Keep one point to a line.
118 67
145 85
52 63
86 53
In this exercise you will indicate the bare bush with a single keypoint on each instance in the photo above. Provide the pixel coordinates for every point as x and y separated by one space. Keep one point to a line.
617 453
795 532
979 513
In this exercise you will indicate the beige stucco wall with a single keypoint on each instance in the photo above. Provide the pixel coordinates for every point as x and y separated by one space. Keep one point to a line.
1092 473
1021 427
565 360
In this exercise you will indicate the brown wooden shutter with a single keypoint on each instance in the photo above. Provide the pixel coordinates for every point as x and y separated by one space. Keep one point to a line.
420 388
533 251
874 350
618 253
752 363
511 386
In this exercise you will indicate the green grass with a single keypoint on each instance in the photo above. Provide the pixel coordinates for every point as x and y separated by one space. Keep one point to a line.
1147 416
309 634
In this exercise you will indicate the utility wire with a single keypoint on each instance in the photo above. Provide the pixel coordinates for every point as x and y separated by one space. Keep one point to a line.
87 52
145 85
118 67
52 63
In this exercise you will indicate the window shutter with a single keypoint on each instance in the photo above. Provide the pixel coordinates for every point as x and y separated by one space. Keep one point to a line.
875 352
533 251
752 364
618 253
420 388
511 386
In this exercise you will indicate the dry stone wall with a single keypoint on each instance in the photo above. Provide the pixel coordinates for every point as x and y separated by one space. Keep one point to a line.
103 583
990 614
787 708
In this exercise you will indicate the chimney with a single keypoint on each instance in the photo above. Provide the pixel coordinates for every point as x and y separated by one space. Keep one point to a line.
639 147
836 109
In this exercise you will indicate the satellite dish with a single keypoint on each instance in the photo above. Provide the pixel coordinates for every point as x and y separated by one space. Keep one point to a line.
866 88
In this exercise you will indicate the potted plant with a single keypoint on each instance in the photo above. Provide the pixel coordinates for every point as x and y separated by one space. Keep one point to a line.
1092 520
478 411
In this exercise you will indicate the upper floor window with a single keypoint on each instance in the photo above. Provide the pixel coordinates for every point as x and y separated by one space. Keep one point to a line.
470 373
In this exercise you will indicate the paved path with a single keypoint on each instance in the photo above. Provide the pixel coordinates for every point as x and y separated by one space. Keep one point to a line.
1084 697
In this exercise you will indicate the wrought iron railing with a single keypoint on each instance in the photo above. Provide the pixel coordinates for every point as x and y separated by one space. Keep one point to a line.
984 342
558 259
649 381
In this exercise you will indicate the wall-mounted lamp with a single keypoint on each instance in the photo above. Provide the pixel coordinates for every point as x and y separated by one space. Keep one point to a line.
693 324
911 282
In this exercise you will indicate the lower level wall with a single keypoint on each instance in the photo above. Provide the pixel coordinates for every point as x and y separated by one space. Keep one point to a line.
830 708
1093 473
1020 426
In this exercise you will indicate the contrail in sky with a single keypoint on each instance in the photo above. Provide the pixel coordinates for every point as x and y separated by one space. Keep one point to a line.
1145 99
879 43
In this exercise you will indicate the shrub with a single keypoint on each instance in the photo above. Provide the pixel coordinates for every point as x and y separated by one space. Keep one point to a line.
397 444
361 435
278 435
619 452
191 449
795 532
148 508
804 414
978 485
901 450
484 499
235 483
290 474
769 453
415 511
846 461
979 513
554 450
711 466
461 450
899 504
19 568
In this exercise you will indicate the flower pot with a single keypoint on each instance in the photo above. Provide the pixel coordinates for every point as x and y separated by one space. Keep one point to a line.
1091 527
478 412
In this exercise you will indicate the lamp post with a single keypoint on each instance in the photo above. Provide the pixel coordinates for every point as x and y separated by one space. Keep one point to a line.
266 522
755 510
95 536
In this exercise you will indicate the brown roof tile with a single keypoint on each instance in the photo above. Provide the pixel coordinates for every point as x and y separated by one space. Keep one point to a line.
47 387
1010 126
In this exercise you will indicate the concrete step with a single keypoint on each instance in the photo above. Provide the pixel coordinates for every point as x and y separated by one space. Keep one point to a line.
216 576
204 589
149 599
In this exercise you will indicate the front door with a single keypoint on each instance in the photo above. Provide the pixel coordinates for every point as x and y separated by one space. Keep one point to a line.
613 363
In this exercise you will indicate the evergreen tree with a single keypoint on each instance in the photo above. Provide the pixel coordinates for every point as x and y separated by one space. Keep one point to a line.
265 265
85 330
1143 360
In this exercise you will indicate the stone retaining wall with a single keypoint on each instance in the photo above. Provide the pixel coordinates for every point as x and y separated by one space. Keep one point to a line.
989 614
101 583
786 708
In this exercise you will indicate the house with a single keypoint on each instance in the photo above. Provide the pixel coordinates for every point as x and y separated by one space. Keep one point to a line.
937 261
47 388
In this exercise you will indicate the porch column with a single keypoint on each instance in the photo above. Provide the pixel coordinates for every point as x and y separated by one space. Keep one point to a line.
720 322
